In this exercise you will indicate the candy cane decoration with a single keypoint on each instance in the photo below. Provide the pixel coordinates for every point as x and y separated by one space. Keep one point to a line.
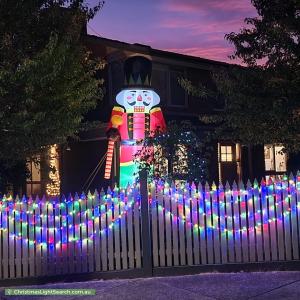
110 152
116 121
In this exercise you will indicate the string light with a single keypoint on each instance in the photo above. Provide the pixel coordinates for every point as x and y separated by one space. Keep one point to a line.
9 217
114 206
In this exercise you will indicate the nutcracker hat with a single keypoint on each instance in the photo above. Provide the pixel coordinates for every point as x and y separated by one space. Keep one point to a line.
137 71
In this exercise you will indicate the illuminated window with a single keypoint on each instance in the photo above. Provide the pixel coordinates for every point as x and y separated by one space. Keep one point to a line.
53 187
275 158
226 154
33 183
180 163
161 162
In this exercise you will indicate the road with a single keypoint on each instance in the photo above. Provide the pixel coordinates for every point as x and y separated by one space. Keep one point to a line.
223 286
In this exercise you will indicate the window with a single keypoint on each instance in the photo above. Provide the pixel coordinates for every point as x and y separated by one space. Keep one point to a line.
53 187
33 183
226 154
161 162
180 163
177 93
275 158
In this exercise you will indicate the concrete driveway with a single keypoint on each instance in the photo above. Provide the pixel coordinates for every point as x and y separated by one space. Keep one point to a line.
257 285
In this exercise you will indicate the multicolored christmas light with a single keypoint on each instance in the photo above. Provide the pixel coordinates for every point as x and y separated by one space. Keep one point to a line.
265 206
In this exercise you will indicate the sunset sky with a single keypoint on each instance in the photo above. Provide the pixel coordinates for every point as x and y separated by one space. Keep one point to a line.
192 27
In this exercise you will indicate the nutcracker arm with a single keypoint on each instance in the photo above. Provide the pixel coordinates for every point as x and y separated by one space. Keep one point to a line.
116 120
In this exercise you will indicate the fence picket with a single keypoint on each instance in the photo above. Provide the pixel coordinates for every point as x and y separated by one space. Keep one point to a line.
174 225
298 204
216 224
5 238
209 225
71 234
229 218
286 218
18 220
251 222
50 239
136 216
129 201
2 229
38 237
12 239
202 228
25 207
77 234
272 218
161 227
58 235
64 234
181 226
265 221
123 228
223 233
117 222
44 232
31 237
195 223
258 222
83 244
97 234
104 231
110 231
243 219
188 224
292 191
168 232
237 223
90 219
279 221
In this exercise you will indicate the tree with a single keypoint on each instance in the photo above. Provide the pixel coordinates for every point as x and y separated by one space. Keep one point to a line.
177 154
263 99
47 77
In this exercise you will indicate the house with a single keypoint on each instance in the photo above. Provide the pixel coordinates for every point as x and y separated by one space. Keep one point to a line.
229 161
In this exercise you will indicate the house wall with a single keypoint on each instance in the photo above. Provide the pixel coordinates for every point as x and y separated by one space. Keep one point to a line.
175 103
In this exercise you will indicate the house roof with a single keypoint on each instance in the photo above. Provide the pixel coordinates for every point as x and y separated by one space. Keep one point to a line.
148 50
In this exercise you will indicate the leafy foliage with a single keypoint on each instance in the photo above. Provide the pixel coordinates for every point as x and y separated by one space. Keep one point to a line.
47 78
262 100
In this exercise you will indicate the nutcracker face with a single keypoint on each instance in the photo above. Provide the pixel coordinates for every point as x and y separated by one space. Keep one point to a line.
137 100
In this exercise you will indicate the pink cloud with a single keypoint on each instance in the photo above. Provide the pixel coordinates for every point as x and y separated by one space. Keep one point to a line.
206 5
195 27
214 52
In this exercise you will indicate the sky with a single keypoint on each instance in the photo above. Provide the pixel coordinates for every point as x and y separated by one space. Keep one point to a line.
191 27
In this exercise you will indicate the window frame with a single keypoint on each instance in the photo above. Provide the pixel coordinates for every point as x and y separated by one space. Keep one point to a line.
29 182
233 160
273 171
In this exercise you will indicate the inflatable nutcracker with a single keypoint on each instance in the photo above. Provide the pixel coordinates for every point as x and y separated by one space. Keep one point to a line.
136 116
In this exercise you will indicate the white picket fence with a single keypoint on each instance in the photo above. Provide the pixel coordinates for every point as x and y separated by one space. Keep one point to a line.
43 237
202 225
190 225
